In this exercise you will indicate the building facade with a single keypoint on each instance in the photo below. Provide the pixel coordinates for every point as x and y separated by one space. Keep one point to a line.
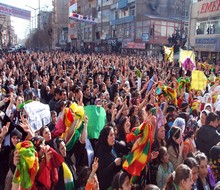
205 29
60 22
7 33
127 25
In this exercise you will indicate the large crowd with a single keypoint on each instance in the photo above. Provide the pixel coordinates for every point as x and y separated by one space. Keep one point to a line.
184 152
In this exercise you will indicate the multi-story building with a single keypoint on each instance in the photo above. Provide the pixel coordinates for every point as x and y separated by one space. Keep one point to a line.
130 24
86 30
6 31
45 18
73 25
205 29
60 23
134 25
146 25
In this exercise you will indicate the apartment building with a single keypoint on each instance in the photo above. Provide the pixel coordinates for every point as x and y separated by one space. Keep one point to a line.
205 29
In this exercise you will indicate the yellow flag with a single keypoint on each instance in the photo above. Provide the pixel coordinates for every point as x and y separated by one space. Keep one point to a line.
199 80
187 59
168 53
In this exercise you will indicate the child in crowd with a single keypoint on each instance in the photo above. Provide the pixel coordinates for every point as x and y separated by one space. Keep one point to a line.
165 168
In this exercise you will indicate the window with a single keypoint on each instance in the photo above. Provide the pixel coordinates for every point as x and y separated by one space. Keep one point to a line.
138 33
163 31
105 15
139 24
157 29
170 31
132 10
206 27
146 23
116 15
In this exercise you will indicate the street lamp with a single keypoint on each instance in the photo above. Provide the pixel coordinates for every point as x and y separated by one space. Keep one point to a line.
35 12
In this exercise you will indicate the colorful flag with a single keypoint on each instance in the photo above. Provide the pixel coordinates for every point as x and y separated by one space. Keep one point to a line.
168 53
183 83
28 165
187 59
138 74
170 93
96 120
136 160
72 132
68 177
199 80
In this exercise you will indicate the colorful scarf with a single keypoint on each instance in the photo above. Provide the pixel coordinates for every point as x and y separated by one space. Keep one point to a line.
68 177
28 165
136 160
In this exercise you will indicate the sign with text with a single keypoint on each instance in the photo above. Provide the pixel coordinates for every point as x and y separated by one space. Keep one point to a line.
134 45
14 11
210 7
207 44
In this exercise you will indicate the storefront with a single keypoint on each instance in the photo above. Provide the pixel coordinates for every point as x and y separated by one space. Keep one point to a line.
205 30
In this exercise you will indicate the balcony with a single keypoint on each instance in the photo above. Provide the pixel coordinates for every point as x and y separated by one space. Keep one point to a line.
122 4
122 20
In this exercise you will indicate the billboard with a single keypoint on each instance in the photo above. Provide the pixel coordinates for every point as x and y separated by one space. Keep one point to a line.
14 11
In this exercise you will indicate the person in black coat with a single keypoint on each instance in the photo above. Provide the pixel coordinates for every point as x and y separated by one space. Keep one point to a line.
108 150
207 135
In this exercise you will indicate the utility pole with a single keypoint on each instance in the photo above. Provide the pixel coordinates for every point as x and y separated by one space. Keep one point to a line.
39 14
35 13
101 23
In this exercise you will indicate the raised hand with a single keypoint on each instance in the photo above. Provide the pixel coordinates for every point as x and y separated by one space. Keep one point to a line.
95 165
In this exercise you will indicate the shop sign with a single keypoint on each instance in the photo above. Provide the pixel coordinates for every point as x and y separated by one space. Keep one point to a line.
112 42
145 37
133 45
210 7
207 44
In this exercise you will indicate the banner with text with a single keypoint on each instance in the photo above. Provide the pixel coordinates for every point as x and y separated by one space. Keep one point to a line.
14 11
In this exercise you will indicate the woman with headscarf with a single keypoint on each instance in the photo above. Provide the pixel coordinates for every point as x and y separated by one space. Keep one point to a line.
175 146
6 157
66 170
189 142
108 150
202 119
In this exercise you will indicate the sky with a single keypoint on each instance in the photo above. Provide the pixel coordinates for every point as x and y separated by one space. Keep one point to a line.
22 27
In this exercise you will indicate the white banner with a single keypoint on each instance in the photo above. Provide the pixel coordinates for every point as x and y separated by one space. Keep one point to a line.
38 114
81 18
14 11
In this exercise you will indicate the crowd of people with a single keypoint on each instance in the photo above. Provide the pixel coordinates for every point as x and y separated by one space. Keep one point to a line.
185 149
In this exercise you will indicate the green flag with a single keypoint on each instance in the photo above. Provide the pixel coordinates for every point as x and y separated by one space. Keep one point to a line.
96 120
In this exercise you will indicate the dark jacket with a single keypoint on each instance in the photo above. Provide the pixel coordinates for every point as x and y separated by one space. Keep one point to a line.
107 167
207 137
200 184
